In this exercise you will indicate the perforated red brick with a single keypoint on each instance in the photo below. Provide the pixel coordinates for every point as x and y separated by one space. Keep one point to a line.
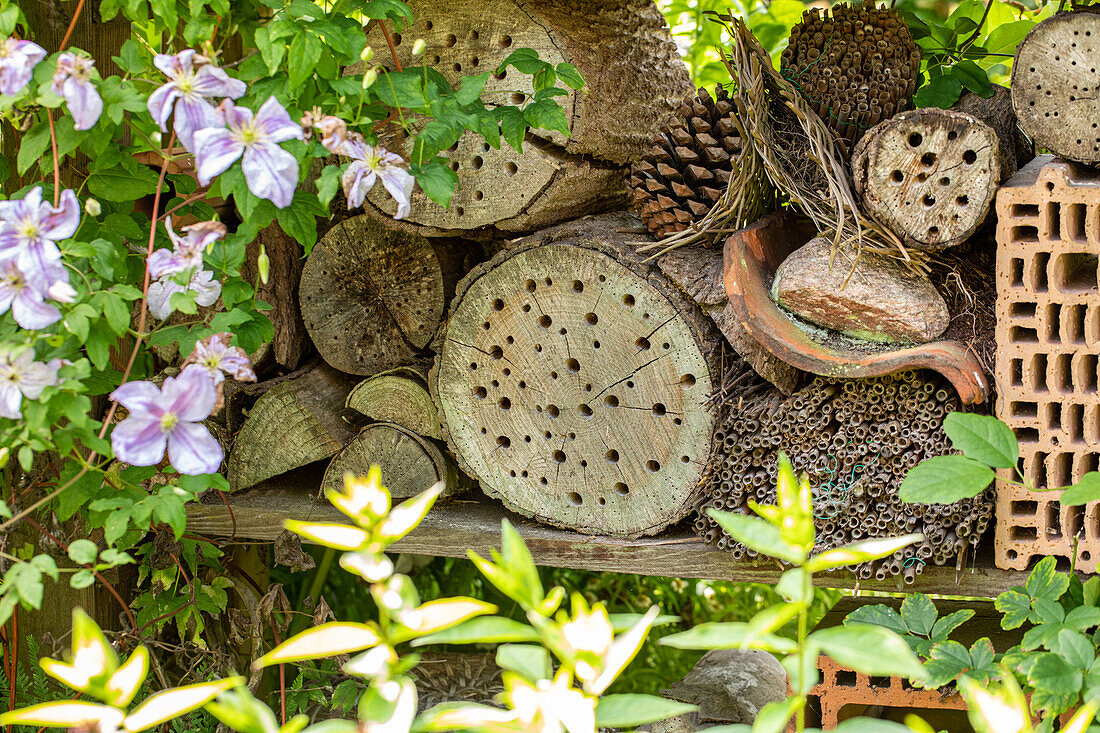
1048 349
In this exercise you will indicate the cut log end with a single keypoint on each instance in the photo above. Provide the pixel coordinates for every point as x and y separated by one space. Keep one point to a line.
930 175
399 396
409 463
371 298
574 389
1055 80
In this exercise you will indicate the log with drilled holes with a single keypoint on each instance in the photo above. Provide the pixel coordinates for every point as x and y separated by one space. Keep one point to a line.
398 396
410 463
929 175
371 297
296 422
634 80
572 381
1056 85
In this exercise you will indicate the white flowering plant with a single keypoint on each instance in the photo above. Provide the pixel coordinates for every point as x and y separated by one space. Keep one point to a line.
556 669
134 183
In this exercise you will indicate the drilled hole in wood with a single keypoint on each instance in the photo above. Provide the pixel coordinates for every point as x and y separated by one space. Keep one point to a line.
688 380
578 286
573 365
929 201
685 459
496 352
962 200
473 366
642 343
945 181
595 344
575 498
897 177
652 466
584 410
481 392
553 410
545 321
498 305
611 401
503 441
915 139
559 456
628 300
477 162
970 157
522 384
553 375
928 160
526 307
505 41
397 39
505 403
486 326
449 40
613 456
659 409
530 286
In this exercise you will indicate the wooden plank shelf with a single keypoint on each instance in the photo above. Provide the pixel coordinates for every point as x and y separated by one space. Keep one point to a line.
473 523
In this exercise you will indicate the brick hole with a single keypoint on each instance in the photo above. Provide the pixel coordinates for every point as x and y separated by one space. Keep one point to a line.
1086 372
1023 533
1016 372
1039 470
1091 318
1016 272
1075 422
1026 233
1054 323
1054 220
1025 409
1088 462
1054 416
845 678
1020 211
1022 335
1023 508
1039 267
1091 425
881 682
1063 373
1038 373
1075 223
1074 520
1075 323
1053 524
1075 272
1061 473
1027 436
1021 310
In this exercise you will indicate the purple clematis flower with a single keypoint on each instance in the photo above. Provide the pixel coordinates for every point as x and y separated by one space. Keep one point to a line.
207 291
369 164
270 171
17 62
192 79
219 358
73 81
21 376
187 251
30 229
26 298
168 416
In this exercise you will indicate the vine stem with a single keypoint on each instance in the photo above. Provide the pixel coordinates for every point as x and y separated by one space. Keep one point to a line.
389 42
56 162
72 26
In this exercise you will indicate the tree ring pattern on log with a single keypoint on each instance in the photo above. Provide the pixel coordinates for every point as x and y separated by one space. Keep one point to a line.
1056 85
496 184
929 175
575 391
410 464
371 297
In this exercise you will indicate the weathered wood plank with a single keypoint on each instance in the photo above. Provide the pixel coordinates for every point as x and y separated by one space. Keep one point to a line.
454 527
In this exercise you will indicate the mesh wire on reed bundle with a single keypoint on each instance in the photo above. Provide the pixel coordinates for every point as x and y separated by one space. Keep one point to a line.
857 439
797 152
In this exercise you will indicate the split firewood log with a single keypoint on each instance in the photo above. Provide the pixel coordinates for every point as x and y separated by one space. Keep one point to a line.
397 396
409 462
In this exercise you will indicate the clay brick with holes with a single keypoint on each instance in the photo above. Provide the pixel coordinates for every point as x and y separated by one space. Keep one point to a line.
1048 349
844 694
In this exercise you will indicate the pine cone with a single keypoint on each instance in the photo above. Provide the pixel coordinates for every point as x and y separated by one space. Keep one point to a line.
856 67
686 172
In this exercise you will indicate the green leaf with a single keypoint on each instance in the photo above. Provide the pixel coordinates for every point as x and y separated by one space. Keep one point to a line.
726 635
1073 647
513 126
482 630
271 52
1054 674
946 662
82 579
83 552
328 184
437 181
174 702
305 52
569 74
919 613
530 661
299 220
326 640
983 437
869 649
1007 36
1015 606
1045 581
942 91
945 480
1082 492
944 626
471 88
880 616
32 147
758 535
1083 618
630 710
860 552
128 182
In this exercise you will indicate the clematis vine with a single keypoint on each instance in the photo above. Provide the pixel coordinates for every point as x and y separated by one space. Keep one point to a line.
17 62
270 172
26 299
187 251
207 291
21 376
73 82
369 164
30 229
192 81
168 417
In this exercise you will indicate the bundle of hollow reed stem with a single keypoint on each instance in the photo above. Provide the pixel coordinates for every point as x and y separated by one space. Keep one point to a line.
797 152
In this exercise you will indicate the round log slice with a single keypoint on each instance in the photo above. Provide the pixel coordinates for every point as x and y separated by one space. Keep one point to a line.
410 464
371 297
573 380
929 175
1056 85
398 396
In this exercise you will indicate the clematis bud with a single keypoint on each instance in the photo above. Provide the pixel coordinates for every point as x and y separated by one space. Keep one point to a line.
5 454
419 46
263 264
370 77
155 137
62 292
92 208
367 54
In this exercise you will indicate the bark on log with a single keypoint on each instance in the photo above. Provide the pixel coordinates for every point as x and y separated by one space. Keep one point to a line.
1055 80
929 175
410 463
298 421
996 111
290 343
635 80
372 298
698 270
572 381
398 396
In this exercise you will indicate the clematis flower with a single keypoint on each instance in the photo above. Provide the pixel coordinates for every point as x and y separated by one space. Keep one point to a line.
192 79
270 172
186 251
216 356
369 164
17 62
160 293
26 299
30 229
168 417
21 376
73 81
